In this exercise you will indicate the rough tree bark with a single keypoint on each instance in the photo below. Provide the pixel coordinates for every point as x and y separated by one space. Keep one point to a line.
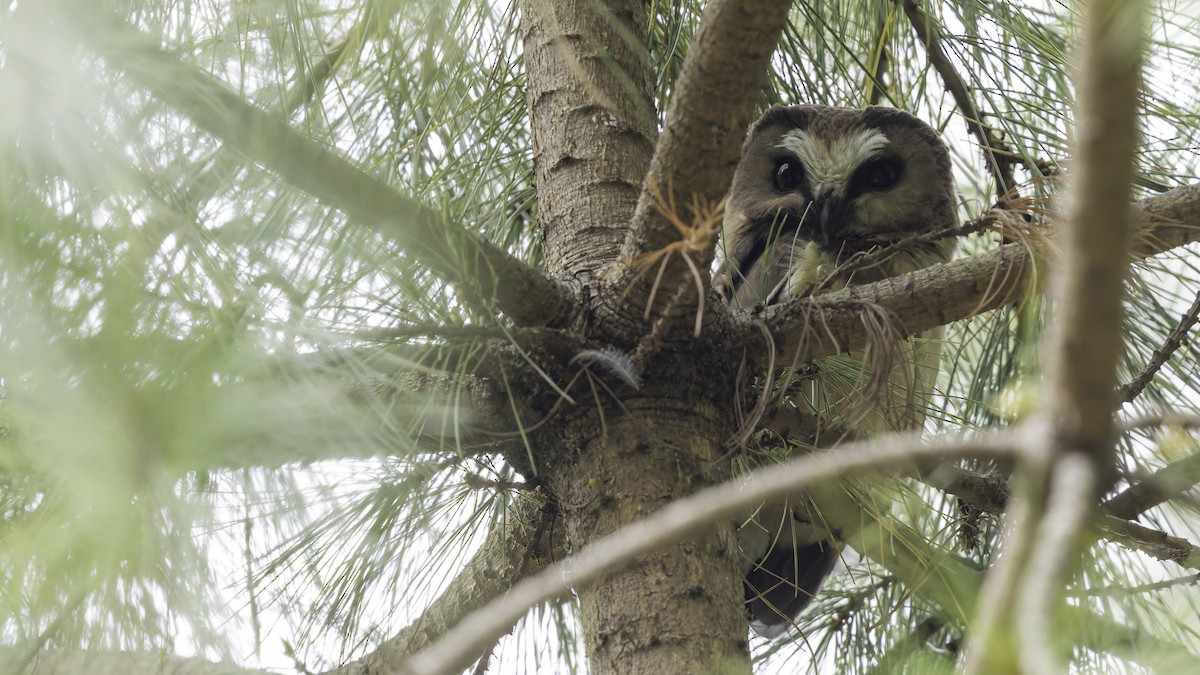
588 86
678 609
588 89
608 460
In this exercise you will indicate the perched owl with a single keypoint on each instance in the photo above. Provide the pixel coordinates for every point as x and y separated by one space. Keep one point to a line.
816 186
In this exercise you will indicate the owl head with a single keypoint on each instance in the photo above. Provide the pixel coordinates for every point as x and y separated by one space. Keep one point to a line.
825 182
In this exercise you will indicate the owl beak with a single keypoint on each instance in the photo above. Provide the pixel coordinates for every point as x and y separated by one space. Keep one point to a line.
829 211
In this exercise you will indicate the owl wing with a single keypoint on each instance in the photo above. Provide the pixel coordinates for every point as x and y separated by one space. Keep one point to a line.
757 267
787 560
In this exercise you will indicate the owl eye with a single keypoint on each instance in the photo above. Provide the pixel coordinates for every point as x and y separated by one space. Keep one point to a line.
881 175
788 175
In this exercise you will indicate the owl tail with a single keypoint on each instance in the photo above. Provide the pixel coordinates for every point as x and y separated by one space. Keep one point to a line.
785 579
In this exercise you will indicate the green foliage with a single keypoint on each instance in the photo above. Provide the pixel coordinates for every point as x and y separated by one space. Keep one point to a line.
180 465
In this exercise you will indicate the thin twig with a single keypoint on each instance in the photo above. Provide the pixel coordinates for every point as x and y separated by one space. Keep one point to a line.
1154 543
1127 591
1173 342
885 248
750 424
876 86
1171 418
1000 158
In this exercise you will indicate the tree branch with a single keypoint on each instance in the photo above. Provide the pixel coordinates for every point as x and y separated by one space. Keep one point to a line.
986 492
881 55
1073 455
1173 342
1130 591
831 323
1133 643
1154 543
1163 485
523 546
454 253
1053 560
458 648
953 584
1000 158
1170 418
588 86
1084 343
710 110
219 166
447 408
990 493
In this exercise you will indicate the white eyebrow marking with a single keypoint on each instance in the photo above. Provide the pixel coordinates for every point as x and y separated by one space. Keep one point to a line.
829 163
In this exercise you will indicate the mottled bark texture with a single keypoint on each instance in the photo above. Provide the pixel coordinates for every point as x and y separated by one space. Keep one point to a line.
588 85
677 610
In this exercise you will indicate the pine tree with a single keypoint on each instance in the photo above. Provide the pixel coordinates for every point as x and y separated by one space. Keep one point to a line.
361 337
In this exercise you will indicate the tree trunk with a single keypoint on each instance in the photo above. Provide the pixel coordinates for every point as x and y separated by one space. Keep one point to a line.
679 609
588 85
589 89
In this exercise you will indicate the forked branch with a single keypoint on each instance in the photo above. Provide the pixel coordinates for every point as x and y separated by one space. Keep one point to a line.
711 107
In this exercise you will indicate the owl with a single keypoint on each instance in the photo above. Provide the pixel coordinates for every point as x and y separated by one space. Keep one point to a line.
818 189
